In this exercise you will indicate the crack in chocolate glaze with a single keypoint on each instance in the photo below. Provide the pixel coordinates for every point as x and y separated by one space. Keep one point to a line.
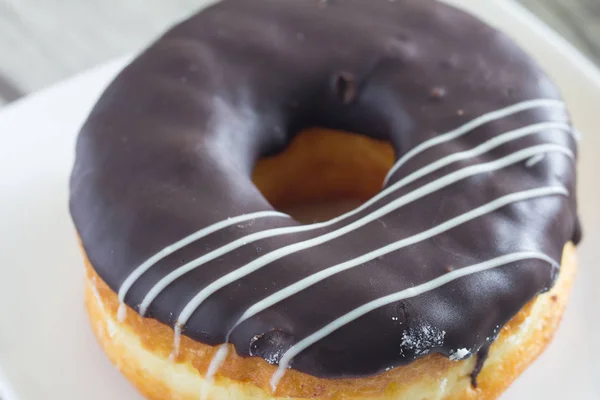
462 236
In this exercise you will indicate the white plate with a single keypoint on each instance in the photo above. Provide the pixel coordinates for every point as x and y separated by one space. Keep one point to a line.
47 350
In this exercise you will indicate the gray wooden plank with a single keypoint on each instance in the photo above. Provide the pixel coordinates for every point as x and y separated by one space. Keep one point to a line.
45 41
42 42
576 20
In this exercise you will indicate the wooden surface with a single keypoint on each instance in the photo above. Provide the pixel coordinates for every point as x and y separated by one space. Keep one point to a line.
44 41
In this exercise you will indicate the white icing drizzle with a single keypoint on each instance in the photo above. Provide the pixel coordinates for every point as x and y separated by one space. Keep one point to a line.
491 144
472 125
535 160
532 154
420 289
311 280
139 271
443 384
176 344
425 190
215 364
167 280
432 187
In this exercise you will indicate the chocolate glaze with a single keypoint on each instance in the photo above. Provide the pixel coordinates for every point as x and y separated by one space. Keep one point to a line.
482 356
171 145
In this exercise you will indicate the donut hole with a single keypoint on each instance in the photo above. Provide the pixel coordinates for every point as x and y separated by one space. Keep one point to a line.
324 173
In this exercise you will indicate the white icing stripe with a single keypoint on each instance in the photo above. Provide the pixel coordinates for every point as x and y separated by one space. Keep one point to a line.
425 190
481 149
161 285
320 276
472 125
217 361
535 160
311 280
404 294
139 271
215 364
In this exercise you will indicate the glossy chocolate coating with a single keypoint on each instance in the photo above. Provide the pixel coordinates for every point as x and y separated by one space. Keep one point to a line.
171 145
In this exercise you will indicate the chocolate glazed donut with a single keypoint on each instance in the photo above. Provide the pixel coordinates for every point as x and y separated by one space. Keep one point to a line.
468 228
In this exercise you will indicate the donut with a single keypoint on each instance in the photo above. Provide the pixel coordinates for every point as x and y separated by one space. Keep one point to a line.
445 278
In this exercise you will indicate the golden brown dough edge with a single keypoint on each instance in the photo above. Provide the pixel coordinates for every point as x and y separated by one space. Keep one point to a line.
140 348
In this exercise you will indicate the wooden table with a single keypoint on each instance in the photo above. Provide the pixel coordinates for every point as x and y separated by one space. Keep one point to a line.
42 42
